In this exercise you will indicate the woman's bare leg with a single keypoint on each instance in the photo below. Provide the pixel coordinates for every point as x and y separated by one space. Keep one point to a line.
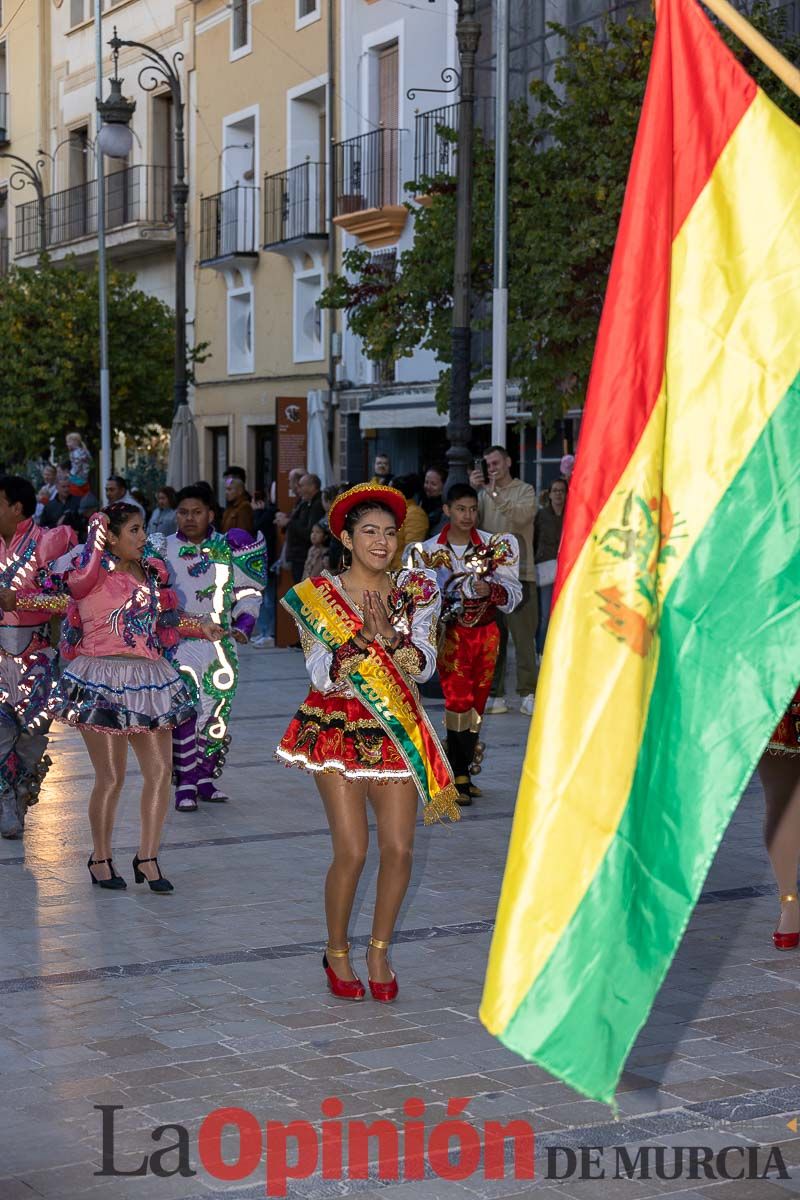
154 752
108 754
780 777
346 810
395 807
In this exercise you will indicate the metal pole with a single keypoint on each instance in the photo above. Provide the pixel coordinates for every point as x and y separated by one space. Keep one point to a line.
468 33
500 294
105 383
180 193
41 214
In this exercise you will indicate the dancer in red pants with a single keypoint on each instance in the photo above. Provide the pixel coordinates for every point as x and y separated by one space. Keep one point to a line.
478 576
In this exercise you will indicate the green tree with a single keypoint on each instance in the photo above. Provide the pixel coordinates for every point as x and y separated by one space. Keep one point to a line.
50 382
569 155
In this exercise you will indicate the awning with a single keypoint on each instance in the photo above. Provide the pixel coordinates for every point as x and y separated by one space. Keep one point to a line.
417 410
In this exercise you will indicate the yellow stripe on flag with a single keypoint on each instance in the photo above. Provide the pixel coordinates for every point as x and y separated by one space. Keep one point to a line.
729 364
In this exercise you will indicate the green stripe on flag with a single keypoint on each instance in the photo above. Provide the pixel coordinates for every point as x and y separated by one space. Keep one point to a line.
729 662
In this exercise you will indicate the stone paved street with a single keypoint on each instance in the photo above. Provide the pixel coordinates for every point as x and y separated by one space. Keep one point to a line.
171 1007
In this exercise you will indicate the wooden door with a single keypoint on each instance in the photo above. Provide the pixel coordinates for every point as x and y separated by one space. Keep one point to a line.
388 109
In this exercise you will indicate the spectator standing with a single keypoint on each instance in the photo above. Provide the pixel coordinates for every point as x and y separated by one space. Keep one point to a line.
382 470
43 497
117 492
432 499
507 505
88 506
164 520
236 473
329 494
80 464
547 528
415 526
238 512
62 502
307 512
49 478
317 559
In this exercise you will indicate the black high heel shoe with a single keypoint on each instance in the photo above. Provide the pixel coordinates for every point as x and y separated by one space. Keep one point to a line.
156 885
115 883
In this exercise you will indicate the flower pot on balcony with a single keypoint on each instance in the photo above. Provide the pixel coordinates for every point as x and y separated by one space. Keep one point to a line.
352 203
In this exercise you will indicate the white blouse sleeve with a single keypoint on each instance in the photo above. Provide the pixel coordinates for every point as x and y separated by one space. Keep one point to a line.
318 662
419 623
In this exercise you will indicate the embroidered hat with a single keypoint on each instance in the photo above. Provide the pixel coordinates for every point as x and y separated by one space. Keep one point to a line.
364 493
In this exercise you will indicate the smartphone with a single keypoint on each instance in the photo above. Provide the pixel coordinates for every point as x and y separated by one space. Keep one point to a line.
480 465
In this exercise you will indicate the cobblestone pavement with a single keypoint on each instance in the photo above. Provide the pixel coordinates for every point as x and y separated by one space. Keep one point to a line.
171 1007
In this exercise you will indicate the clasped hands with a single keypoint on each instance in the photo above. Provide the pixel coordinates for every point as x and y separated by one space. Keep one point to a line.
376 623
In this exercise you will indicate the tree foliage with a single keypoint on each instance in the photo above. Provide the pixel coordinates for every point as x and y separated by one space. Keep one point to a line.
50 382
569 155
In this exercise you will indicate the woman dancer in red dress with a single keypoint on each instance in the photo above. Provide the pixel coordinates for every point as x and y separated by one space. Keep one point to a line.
369 636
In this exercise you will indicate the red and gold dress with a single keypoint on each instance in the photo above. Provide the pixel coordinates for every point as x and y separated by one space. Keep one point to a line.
786 738
333 730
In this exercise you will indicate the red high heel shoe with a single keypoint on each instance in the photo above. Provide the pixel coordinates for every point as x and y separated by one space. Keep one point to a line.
343 989
786 941
385 992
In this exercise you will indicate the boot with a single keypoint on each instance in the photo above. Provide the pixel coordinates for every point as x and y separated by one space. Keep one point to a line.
474 759
34 763
209 772
457 751
186 767
11 820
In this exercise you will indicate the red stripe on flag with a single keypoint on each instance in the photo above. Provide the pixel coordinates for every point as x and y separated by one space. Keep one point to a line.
696 95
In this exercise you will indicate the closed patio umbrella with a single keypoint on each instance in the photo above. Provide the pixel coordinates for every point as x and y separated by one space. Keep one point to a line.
319 460
184 455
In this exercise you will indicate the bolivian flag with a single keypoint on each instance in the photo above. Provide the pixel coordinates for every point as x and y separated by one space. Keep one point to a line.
674 645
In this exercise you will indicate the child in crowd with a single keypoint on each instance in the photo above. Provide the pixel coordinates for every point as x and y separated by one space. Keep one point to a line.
80 464
317 559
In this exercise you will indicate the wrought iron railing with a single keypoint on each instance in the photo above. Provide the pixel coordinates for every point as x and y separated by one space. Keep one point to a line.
3 118
229 223
367 171
134 195
435 142
435 135
5 255
294 204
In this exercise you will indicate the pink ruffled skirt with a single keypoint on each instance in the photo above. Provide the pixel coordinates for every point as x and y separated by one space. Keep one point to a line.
121 694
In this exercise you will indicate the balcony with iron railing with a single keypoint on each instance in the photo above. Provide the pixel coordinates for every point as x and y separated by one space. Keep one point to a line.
5 255
367 196
294 208
436 138
229 226
135 196
4 136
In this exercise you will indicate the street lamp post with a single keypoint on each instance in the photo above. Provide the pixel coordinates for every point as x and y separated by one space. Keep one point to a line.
25 172
114 139
468 35
160 68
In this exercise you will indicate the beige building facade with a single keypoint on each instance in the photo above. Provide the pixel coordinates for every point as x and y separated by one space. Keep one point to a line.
260 208
24 90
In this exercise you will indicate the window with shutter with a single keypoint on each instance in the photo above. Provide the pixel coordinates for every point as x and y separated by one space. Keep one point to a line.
240 33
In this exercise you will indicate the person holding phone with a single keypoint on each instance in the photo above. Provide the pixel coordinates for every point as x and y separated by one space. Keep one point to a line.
507 505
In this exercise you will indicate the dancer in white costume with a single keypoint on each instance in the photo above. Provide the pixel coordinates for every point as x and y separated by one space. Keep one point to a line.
220 576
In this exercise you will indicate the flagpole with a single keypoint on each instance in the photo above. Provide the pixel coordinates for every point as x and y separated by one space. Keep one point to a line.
754 41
